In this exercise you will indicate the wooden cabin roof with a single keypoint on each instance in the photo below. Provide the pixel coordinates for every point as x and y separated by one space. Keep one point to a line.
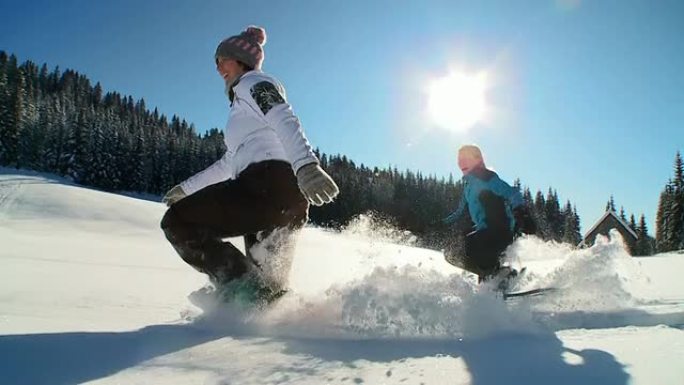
617 217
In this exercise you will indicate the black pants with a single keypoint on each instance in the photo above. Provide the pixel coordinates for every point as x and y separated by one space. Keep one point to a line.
264 198
483 251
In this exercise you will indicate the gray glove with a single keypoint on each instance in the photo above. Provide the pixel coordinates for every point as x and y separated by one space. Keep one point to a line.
316 185
174 195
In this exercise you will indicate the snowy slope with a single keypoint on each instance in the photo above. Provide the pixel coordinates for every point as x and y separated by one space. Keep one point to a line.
90 292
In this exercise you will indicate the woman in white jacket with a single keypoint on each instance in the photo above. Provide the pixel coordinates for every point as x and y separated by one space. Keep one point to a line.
264 182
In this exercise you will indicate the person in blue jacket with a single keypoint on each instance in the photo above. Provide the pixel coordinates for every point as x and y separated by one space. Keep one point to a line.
497 212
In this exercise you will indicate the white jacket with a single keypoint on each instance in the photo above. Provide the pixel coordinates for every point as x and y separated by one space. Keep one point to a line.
261 126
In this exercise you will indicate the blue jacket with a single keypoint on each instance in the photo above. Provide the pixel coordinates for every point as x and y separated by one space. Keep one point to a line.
490 201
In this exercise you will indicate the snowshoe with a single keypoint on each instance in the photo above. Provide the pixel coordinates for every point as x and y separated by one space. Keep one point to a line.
245 293
503 279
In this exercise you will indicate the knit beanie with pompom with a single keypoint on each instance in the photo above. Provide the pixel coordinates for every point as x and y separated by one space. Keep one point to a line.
247 47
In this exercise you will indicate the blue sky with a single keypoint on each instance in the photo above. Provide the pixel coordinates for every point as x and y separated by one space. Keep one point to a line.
584 96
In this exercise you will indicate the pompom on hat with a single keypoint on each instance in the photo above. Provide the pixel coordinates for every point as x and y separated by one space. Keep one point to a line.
247 47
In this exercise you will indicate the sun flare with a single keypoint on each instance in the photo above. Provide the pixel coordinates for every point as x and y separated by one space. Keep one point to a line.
457 101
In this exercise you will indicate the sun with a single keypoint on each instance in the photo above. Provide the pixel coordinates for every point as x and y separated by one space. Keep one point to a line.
457 101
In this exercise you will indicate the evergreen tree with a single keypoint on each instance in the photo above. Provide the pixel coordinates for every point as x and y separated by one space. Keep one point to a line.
554 215
632 225
678 172
11 123
644 245
7 134
138 169
118 160
96 95
32 142
543 228
527 199
571 230
660 221
676 221
77 149
663 219
98 168
578 227
57 134
670 214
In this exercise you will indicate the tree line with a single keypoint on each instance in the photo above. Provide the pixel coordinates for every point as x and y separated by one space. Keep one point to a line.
670 214
59 122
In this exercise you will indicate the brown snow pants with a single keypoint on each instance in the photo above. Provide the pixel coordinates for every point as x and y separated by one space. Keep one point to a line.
263 198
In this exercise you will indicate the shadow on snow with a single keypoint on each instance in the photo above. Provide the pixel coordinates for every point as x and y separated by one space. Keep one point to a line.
75 357
500 359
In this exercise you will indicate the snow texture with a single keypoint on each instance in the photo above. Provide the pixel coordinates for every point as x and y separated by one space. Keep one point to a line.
91 292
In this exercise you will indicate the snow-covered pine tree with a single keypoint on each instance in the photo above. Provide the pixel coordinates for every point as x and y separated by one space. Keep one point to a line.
77 149
677 205
57 135
193 148
32 140
11 121
670 214
6 121
100 151
169 156
137 170
119 157
154 152
31 136
663 219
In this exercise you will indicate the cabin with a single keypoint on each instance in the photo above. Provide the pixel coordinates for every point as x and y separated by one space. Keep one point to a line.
611 220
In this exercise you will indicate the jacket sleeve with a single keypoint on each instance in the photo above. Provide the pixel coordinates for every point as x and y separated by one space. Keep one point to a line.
523 220
454 216
220 171
512 195
269 100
